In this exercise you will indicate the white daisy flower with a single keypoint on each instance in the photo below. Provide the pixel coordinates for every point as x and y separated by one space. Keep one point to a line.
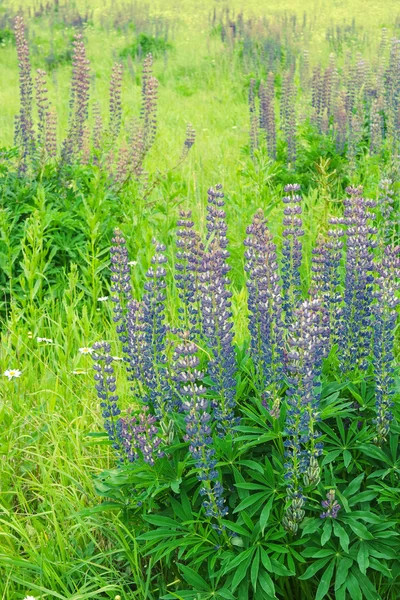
12 373
86 350
29 598
102 299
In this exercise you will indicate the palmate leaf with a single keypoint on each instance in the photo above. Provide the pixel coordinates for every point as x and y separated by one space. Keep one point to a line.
193 578
325 581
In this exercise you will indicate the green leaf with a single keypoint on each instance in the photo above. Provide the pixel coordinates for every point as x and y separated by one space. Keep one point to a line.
341 533
237 560
266 584
252 464
249 501
314 568
280 569
265 559
225 593
340 593
353 486
378 565
311 526
368 588
330 457
374 452
342 571
353 587
363 558
193 578
360 530
161 521
236 528
265 514
325 582
347 458
241 571
326 532
255 565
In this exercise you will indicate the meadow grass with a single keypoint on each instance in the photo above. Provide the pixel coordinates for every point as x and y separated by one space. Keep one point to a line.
49 546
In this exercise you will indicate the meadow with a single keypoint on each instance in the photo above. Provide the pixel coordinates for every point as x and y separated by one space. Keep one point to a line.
199 289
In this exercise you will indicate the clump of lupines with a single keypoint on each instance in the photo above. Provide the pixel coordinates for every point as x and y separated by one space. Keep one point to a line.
198 421
356 324
79 103
190 139
331 505
307 340
265 307
188 260
106 387
291 250
217 314
24 133
121 281
43 108
140 438
385 316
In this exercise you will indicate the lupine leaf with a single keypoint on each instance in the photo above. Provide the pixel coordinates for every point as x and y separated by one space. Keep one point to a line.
342 571
368 588
267 584
193 578
247 502
265 513
362 558
326 532
325 582
353 486
360 530
353 587
241 571
314 568
341 533
255 565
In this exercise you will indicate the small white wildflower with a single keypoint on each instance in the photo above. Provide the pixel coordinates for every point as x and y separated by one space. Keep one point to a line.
45 340
132 263
12 373
29 598
234 126
86 350
117 358
79 372
102 299
30 335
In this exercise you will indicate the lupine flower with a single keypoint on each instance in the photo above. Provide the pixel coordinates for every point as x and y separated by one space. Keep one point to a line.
267 114
288 116
307 338
86 350
106 387
216 313
139 437
115 103
376 125
79 102
43 106
149 103
385 317
331 505
291 250
356 326
253 118
198 426
12 373
120 278
188 260
265 307
51 133
24 133
189 140
97 135
389 218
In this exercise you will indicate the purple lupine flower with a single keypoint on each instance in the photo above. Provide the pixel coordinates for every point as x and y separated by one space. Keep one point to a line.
340 122
198 421
24 133
106 388
325 278
149 103
376 125
43 106
190 139
188 260
331 505
385 317
305 70
137 151
217 314
267 114
79 102
51 133
291 250
97 135
288 116
265 307
307 340
140 438
389 217
121 282
356 326
115 104
154 336
253 118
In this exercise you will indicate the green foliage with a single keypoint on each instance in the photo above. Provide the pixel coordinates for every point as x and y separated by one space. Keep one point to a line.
145 44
